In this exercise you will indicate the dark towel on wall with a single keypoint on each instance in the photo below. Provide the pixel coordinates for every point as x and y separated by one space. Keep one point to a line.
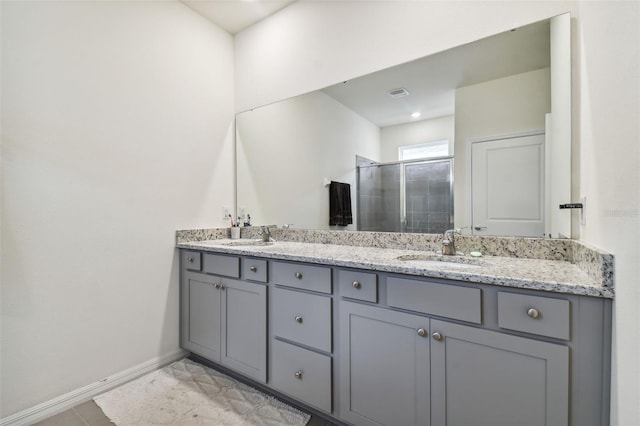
340 204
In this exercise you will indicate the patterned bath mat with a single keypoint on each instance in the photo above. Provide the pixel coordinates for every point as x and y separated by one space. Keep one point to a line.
186 393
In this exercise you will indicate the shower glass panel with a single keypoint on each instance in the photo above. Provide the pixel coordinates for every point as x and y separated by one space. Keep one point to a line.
409 196
379 201
428 196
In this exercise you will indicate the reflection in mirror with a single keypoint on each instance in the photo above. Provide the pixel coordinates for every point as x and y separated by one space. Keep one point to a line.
501 91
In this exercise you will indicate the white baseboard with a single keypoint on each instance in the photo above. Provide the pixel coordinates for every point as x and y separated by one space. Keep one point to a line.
78 396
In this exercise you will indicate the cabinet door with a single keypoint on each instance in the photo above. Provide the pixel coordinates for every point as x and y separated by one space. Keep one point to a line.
384 366
201 315
244 328
485 378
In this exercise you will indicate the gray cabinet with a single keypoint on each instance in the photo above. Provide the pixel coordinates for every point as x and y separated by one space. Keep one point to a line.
389 349
384 366
200 312
404 369
302 373
485 378
243 334
300 317
224 320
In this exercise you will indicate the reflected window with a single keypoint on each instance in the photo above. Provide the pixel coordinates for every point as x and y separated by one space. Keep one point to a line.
424 150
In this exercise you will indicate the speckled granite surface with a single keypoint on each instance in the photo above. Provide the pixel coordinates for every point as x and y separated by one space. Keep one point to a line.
563 266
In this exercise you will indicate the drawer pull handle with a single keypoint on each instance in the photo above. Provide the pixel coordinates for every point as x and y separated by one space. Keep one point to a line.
422 332
190 259
356 285
298 275
217 286
298 375
437 336
533 313
253 269
298 319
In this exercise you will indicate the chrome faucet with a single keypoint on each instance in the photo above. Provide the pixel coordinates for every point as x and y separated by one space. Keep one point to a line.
266 234
448 242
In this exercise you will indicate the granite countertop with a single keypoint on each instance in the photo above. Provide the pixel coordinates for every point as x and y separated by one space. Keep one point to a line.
535 274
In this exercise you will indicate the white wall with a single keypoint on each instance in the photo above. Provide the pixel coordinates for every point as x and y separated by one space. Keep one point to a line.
510 105
314 137
313 44
423 131
117 123
310 45
608 36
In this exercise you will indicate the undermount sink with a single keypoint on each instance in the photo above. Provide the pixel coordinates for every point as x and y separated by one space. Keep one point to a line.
248 243
432 259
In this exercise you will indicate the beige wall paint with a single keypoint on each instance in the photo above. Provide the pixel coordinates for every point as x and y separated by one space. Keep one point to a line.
510 105
316 137
432 130
310 45
117 122
608 65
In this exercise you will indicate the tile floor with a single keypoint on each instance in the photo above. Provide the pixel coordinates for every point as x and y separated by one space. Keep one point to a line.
89 414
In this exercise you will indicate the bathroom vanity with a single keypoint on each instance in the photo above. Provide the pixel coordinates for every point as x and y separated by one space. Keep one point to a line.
390 336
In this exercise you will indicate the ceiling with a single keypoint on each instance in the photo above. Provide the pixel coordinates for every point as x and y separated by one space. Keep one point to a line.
432 80
236 15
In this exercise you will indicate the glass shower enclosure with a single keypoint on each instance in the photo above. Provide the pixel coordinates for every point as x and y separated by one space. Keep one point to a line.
405 196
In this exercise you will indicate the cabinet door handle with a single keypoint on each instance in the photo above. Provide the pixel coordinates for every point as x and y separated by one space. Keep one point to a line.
298 374
298 275
437 336
298 319
253 269
533 313
356 285
190 259
216 286
422 332
222 287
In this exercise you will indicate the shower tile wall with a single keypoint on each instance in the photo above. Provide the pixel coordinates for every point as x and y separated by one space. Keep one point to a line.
429 207
429 200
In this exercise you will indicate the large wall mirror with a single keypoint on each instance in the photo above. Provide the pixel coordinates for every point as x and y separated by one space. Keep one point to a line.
477 137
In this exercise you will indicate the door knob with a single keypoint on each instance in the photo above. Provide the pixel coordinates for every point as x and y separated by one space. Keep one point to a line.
422 332
437 336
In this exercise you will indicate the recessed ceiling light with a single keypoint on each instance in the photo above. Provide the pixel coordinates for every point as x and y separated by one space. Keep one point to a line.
415 115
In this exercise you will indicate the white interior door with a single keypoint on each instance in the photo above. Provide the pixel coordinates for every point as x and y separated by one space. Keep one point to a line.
508 186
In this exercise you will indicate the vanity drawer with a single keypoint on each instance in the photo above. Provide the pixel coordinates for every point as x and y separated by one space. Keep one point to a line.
219 264
450 301
316 278
302 373
254 269
303 318
191 260
544 316
358 285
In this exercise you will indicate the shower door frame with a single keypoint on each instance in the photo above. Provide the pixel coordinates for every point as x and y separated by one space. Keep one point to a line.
403 188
